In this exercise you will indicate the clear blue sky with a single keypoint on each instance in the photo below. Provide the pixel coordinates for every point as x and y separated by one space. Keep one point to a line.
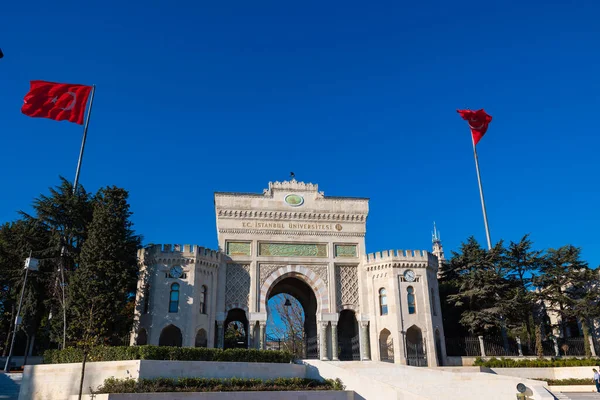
359 97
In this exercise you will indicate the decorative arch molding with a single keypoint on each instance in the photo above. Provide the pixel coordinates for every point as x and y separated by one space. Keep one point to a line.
233 306
306 275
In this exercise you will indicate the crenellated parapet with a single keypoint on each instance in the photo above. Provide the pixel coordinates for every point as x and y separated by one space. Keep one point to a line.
172 254
400 259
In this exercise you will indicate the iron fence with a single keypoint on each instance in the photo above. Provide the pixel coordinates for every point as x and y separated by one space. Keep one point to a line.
495 346
463 346
572 346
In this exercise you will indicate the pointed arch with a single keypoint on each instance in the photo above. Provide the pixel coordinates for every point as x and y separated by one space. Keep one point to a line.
201 338
300 272
170 336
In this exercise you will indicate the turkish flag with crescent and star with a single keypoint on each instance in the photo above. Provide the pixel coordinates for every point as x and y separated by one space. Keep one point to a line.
57 101
478 122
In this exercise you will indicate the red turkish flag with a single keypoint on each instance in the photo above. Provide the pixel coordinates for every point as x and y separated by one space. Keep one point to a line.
478 122
58 101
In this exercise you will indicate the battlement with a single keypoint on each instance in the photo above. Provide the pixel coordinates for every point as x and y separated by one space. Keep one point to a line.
401 255
293 185
189 250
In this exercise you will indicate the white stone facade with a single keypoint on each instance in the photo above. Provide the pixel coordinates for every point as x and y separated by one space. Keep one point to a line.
294 239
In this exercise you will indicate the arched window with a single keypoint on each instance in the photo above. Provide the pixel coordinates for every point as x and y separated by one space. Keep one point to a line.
174 298
201 340
203 292
433 303
410 299
383 307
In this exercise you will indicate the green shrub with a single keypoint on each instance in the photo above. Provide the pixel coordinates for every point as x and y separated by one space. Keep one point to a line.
112 385
571 381
537 363
117 353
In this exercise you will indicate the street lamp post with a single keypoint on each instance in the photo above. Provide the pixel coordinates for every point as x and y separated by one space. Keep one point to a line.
30 264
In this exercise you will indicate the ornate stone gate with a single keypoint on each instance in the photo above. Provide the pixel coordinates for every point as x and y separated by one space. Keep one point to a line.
293 239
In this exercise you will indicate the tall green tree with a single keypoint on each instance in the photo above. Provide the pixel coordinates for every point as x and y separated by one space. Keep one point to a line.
107 273
483 291
562 274
521 263
17 240
65 216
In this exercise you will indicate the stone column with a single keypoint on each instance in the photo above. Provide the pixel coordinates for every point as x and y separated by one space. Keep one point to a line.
481 346
251 341
220 334
262 333
334 341
364 341
323 341
519 346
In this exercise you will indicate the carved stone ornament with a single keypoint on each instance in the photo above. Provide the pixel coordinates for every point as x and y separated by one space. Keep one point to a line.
346 282
238 284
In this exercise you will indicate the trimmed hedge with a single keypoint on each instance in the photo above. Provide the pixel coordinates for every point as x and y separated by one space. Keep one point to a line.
118 353
112 385
553 362
570 382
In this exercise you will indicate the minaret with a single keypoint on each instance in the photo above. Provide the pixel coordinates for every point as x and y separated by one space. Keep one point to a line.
438 249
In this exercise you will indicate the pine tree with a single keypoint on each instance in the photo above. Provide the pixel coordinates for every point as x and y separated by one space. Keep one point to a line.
483 291
105 281
521 262
65 217
561 272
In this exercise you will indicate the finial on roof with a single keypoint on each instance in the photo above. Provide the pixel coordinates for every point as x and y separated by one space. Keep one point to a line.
435 235
292 176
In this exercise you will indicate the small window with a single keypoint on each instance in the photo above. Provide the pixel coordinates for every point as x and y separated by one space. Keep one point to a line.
410 297
383 306
146 298
203 291
433 303
174 298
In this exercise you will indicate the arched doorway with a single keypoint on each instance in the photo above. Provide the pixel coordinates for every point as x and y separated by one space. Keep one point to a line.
348 340
170 336
438 348
386 346
236 330
201 339
415 347
142 337
299 311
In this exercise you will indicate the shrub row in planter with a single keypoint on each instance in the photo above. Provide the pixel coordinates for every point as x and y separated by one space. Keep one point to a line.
118 353
569 382
112 385
553 362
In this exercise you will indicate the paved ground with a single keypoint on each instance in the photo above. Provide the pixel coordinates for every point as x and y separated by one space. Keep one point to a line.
9 386
577 396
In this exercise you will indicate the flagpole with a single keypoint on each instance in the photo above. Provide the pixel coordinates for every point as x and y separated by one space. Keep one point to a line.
75 183
87 122
485 219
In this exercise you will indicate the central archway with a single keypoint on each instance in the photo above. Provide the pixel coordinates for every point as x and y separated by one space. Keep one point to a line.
299 310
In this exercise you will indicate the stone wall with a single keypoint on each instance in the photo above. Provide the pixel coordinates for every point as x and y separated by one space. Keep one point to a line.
42 382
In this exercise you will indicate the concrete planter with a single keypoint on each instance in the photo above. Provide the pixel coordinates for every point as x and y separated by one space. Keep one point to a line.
59 381
573 388
304 395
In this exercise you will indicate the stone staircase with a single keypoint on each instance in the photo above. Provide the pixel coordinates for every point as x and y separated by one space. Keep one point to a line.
375 380
10 384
